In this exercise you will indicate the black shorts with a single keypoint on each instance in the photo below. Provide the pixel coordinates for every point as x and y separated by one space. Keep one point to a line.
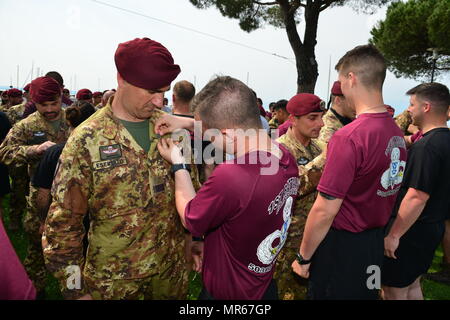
270 294
5 187
344 264
414 254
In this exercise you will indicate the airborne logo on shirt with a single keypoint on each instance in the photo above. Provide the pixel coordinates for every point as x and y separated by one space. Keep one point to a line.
111 156
113 151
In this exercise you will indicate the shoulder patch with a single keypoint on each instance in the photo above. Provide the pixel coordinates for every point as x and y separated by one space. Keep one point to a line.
302 161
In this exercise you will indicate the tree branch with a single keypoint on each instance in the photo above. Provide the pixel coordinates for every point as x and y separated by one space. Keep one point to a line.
265 3
295 4
326 4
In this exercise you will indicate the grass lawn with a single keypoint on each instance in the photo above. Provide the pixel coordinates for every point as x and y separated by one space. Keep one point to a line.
432 290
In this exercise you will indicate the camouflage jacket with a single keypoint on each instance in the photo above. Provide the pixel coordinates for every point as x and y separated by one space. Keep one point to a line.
135 231
15 113
273 123
304 202
31 131
310 174
403 120
331 125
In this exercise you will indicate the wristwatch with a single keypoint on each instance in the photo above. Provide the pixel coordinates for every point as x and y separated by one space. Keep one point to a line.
179 166
301 260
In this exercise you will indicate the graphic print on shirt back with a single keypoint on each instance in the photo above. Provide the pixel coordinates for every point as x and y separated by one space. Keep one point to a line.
393 176
266 252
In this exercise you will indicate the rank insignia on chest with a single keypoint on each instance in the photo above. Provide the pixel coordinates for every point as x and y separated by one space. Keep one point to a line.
157 185
302 161
113 151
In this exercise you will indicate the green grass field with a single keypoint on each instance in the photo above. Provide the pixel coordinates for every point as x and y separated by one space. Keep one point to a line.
432 290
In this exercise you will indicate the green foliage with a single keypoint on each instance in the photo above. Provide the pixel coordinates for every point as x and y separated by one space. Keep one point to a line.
407 33
253 15
250 14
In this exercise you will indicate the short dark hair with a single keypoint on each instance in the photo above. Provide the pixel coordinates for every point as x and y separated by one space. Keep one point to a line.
367 63
226 103
184 91
56 76
435 93
259 100
77 113
280 104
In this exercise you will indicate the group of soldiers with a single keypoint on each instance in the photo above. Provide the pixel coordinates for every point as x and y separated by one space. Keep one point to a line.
111 171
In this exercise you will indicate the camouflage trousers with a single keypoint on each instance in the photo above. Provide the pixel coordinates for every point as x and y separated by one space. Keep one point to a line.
20 189
34 261
290 285
156 287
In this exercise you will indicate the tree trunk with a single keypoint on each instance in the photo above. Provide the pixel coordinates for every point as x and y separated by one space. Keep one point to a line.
307 72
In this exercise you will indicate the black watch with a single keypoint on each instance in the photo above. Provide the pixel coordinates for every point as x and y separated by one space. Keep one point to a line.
179 166
301 260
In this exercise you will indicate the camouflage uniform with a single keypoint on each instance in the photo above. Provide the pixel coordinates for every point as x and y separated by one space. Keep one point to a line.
311 173
291 286
403 121
15 113
19 176
14 151
136 239
273 123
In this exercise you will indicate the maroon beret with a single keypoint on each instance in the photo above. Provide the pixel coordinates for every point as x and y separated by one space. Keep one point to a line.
44 89
14 93
304 103
84 94
27 88
336 89
390 110
145 64
97 94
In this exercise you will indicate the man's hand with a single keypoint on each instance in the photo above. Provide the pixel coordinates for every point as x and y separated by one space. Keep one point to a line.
40 149
170 152
197 255
169 123
390 246
301 269
86 297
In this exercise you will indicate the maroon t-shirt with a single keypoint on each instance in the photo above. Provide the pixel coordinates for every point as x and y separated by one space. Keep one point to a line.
284 128
244 216
14 281
417 136
365 164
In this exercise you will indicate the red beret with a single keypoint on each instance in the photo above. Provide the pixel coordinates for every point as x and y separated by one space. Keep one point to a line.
336 89
145 64
84 94
14 93
27 88
304 103
97 94
390 110
44 89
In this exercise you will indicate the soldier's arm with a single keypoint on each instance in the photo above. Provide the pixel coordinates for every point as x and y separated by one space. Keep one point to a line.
403 121
311 173
14 149
64 231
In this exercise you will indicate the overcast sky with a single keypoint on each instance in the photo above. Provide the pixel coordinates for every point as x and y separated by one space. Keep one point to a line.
79 38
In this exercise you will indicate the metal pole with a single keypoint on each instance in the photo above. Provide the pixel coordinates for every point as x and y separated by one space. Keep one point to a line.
432 71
